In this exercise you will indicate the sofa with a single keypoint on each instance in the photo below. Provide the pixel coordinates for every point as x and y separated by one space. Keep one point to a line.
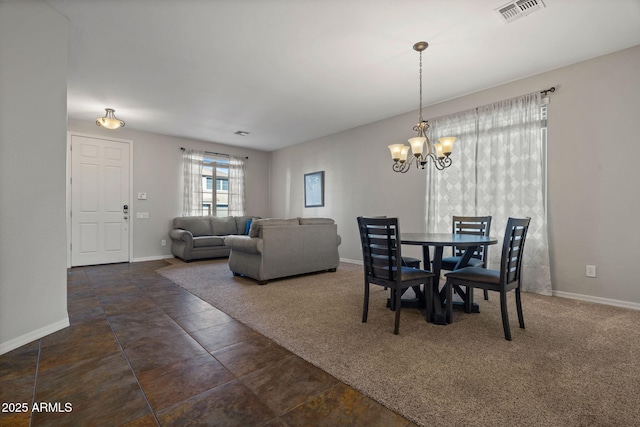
201 237
277 247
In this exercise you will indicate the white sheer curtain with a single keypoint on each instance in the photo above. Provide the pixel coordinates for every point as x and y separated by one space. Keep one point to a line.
447 192
236 186
192 174
498 171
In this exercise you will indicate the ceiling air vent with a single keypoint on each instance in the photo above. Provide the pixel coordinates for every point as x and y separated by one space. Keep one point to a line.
518 9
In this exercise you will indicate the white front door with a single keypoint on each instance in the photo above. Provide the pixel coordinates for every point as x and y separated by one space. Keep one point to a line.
99 201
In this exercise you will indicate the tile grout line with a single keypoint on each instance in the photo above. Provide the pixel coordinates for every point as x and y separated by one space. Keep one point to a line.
239 378
35 382
235 376
130 367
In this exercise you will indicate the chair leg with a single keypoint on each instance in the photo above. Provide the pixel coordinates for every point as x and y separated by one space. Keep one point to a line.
398 306
519 307
468 302
486 295
428 299
449 292
505 315
365 307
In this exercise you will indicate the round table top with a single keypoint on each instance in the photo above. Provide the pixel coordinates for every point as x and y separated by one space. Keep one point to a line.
446 239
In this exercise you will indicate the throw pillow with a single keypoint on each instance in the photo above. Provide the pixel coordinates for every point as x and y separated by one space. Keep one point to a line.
248 226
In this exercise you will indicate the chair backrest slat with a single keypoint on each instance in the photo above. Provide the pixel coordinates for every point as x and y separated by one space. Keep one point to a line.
380 247
474 225
513 249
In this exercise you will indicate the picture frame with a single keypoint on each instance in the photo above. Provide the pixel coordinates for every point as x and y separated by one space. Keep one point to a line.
314 189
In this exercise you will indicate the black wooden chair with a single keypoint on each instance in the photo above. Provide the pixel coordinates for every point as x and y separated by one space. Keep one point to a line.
382 258
475 225
502 281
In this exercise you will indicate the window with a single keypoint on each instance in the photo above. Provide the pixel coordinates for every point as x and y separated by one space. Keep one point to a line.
215 169
213 184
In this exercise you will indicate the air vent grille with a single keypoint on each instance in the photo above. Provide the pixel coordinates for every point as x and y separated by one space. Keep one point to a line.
518 9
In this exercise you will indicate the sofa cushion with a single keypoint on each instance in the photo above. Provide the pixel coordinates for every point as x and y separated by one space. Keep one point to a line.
257 224
197 225
315 221
223 226
206 241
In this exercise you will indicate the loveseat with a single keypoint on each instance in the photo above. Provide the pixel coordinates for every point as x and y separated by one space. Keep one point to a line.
200 237
278 248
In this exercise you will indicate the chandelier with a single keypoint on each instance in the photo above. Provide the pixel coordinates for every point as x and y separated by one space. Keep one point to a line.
439 152
109 121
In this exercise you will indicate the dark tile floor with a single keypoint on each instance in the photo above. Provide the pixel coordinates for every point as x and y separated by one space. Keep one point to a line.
143 351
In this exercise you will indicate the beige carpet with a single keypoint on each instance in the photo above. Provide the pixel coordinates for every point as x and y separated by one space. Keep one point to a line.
576 363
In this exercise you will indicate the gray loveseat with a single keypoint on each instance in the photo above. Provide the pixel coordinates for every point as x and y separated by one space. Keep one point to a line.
200 237
278 248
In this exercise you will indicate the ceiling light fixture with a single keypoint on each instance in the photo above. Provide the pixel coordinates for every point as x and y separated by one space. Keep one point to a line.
110 121
438 152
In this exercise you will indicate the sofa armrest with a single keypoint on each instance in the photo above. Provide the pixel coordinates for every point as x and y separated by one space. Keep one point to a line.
252 245
180 234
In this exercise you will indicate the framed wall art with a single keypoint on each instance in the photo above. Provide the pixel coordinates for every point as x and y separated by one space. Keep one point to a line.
314 189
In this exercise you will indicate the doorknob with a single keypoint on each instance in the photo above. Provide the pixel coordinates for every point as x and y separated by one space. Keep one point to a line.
125 209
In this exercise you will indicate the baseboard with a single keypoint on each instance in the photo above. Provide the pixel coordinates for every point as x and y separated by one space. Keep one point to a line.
151 258
599 300
6 347
351 261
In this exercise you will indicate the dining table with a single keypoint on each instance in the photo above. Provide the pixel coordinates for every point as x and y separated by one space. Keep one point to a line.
435 299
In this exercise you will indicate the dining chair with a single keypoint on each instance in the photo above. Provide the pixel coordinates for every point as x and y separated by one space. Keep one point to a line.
508 278
475 225
382 259
406 260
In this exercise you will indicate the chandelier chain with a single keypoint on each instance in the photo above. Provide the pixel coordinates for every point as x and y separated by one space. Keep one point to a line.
421 87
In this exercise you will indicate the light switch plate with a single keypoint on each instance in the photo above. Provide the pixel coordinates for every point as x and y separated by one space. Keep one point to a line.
142 215
142 196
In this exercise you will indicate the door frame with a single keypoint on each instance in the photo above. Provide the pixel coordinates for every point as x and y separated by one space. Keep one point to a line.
68 188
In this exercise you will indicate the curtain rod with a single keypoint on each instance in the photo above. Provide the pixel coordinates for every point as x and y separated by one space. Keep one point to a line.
215 154
551 89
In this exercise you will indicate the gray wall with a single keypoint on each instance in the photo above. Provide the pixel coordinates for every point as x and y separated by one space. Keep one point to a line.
33 114
157 171
593 171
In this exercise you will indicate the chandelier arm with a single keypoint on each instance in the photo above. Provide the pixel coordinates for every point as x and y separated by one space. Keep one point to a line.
441 164
401 167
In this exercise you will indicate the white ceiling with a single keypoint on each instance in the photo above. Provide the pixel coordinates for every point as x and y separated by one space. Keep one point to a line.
290 71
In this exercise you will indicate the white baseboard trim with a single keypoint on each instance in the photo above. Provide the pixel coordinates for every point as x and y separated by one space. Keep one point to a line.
151 258
351 261
6 347
599 300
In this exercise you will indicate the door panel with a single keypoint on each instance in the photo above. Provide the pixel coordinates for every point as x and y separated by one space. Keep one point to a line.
99 192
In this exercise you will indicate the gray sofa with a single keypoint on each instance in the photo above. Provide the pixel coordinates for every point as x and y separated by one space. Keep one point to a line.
278 248
201 237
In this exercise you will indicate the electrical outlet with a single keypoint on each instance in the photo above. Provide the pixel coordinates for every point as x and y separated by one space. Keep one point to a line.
591 271
163 242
